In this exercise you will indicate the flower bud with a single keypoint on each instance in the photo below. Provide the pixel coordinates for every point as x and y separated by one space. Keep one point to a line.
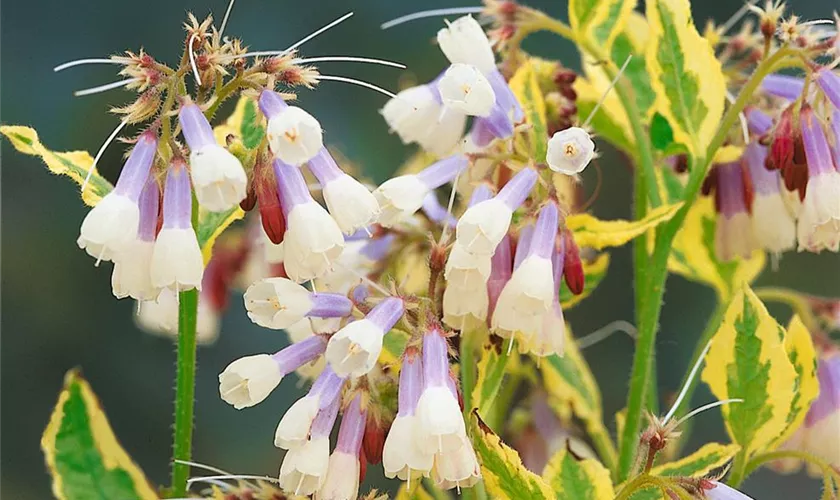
570 151
572 265
267 195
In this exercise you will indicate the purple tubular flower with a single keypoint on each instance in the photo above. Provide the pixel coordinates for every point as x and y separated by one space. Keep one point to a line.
819 220
330 305
764 182
435 360
817 150
324 421
353 351
733 231
523 244
545 232
827 404
352 428
504 95
298 354
758 121
271 103
443 171
291 185
829 82
327 387
835 131
411 384
480 133
386 314
497 123
784 86
177 199
481 193
324 167
731 189
377 248
149 204
437 212
135 173
516 191
500 272
197 130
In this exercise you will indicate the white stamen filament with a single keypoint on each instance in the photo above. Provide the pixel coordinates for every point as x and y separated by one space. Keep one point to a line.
107 86
96 158
365 279
296 44
605 332
745 129
733 20
817 21
204 479
360 83
430 13
80 62
443 233
687 384
192 60
607 92
381 62
709 406
225 19
201 466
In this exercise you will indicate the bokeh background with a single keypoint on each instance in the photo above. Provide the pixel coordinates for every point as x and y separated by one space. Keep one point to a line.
58 312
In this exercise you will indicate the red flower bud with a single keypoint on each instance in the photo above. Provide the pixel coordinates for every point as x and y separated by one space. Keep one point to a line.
374 440
572 265
271 214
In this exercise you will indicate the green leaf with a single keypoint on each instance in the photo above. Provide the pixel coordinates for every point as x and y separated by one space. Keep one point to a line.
245 123
84 458
595 271
211 225
710 457
747 360
74 164
525 84
661 134
574 479
492 366
685 74
393 345
599 20
501 468
595 233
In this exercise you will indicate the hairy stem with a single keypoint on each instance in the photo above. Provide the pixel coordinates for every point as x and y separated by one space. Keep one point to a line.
184 391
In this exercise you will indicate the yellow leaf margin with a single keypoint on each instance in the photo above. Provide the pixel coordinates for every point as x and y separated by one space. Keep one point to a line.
595 233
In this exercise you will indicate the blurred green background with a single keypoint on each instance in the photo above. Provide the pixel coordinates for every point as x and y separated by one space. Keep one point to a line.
58 312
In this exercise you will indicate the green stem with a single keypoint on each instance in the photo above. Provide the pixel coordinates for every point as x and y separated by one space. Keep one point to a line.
739 466
184 391
757 461
794 299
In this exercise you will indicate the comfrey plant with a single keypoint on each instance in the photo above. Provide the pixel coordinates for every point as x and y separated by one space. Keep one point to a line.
404 302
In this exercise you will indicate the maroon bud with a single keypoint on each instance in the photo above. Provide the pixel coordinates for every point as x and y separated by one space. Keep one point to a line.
569 93
572 265
783 140
363 461
250 200
271 213
374 440
564 77
749 190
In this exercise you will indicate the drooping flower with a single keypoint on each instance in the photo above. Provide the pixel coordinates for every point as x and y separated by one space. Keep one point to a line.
132 276
177 262
819 220
829 83
304 468
218 177
483 225
112 224
294 136
401 196
500 272
570 151
417 114
734 228
249 380
463 41
294 428
464 88
313 240
342 481
531 290
551 336
401 454
350 203
441 426
773 224
278 303
353 351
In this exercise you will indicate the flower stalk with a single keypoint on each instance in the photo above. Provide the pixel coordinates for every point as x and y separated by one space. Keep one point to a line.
184 391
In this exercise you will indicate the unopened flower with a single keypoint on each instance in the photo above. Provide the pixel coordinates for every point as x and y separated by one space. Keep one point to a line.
483 225
464 88
401 196
304 468
773 225
401 454
219 179
266 194
734 229
353 351
464 41
278 303
112 224
294 135
342 480
570 151
249 380
313 239
529 293
819 220
177 262
132 275
350 203
442 428
293 429
573 273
